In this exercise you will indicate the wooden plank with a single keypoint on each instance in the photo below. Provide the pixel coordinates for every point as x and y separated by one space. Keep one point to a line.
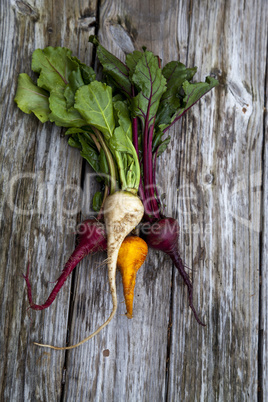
263 355
220 172
43 231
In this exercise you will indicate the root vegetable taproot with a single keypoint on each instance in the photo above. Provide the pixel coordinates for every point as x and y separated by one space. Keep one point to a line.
91 239
122 212
163 235
131 257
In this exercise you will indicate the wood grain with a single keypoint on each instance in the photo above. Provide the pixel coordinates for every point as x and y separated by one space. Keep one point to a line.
215 181
222 169
263 325
43 233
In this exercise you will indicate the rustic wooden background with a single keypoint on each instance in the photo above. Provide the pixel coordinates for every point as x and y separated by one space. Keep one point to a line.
215 177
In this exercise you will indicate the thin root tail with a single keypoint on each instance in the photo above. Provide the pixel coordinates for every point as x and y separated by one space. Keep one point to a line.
84 340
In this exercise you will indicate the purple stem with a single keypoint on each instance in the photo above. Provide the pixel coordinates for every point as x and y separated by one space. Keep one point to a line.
145 160
135 127
154 179
135 134
154 204
136 146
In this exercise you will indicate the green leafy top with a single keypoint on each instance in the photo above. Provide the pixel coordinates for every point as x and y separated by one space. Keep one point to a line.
116 122
94 102
156 99
113 67
156 96
68 94
151 84
30 98
60 75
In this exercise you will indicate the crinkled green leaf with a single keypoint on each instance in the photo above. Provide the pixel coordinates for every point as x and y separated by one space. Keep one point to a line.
30 98
111 82
132 60
94 103
163 146
164 115
54 64
151 83
82 130
75 130
123 117
61 75
61 102
120 141
62 116
74 142
75 82
192 93
160 145
175 73
90 153
157 139
117 97
113 67
88 74
86 145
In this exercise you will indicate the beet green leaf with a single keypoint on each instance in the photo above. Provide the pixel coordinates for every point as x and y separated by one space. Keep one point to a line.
94 103
30 98
113 67
151 84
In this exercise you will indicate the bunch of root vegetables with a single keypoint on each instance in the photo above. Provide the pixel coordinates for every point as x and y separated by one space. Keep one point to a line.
119 124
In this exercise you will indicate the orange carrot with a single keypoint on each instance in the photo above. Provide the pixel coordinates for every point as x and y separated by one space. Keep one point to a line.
131 256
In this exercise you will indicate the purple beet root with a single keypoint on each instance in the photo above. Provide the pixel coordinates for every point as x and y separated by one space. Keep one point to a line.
163 235
92 238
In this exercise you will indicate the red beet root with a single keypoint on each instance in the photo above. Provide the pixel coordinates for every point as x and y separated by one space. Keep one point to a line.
92 238
163 235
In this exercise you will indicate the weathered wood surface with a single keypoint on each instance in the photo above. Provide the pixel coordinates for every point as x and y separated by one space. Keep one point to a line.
215 179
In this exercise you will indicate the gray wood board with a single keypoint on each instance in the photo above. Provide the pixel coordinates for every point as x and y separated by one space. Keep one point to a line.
213 174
